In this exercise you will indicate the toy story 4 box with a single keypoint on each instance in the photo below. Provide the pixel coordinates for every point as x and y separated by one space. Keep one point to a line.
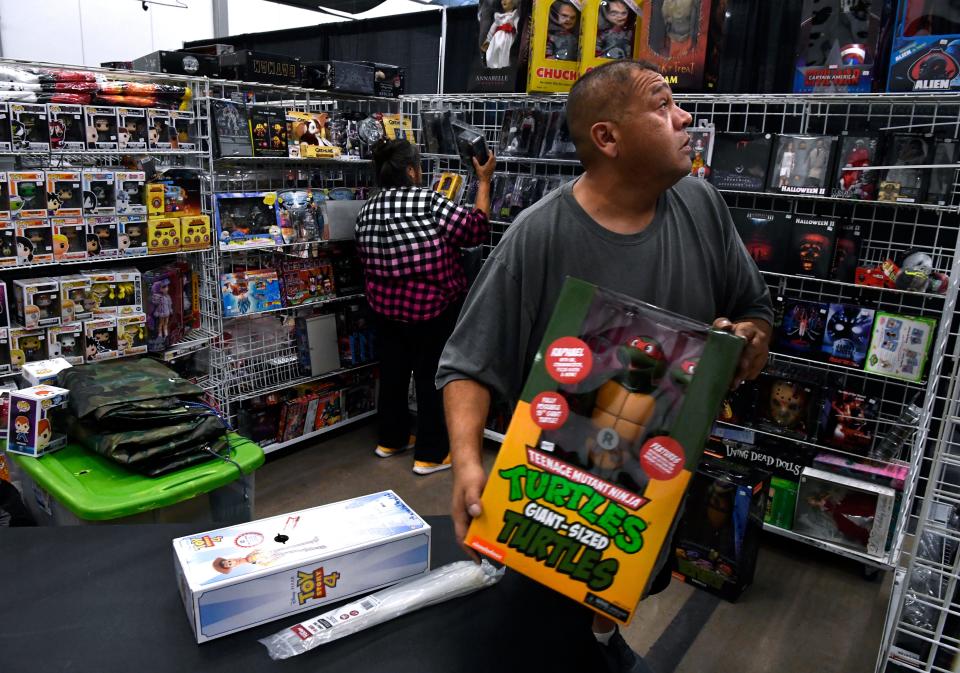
241 576
602 445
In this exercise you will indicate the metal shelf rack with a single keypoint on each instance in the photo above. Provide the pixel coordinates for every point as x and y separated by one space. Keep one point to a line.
889 229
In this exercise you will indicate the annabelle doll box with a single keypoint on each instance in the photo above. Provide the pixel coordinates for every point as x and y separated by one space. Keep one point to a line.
602 445
242 576
555 46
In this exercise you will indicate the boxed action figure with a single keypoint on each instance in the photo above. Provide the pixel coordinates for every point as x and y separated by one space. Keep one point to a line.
945 153
892 474
163 235
64 193
799 331
846 253
131 192
925 54
131 128
34 242
43 372
69 238
99 192
612 421
609 32
438 136
846 334
101 299
103 239
900 345
251 291
30 428
158 130
502 51
66 127
74 302
398 127
555 46
234 578
811 249
718 537
181 193
308 135
786 407
165 315
101 123
195 232
850 422
29 128
28 194
6 138
838 46
268 131
905 184
183 130
132 235
129 299
27 345
701 149
845 511
857 152
131 334
801 164
66 341
190 286
557 143
231 129
156 199
522 132
299 217
673 37
766 235
100 337
740 161
247 219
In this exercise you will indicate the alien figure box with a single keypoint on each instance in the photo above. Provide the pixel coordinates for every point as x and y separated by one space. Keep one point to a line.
740 161
609 32
235 578
846 334
673 37
602 446
811 248
502 48
900 345
718 537
801 165
849 512
837 49
555 46
926 47
30 428
766 235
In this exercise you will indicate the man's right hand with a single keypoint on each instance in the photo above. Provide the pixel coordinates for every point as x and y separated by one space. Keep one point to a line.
468 483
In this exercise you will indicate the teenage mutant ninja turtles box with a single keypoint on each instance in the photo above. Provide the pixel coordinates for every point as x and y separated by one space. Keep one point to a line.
602 445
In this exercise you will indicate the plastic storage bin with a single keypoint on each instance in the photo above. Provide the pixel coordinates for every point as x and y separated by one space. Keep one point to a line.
75 486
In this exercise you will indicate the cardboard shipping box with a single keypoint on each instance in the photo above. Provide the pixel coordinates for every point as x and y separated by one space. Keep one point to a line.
238 577
610 427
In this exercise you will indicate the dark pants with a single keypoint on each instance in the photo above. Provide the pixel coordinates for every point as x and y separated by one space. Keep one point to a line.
407 347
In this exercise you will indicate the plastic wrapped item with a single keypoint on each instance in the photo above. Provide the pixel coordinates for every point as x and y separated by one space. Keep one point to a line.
449 581
927 584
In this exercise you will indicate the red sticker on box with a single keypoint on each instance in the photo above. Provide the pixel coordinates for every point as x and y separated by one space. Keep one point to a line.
549 410
662 458
569 360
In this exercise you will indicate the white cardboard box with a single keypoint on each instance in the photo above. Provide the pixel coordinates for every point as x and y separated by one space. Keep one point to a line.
242 576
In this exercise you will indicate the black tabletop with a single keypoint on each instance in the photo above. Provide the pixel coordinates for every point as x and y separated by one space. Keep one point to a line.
99 599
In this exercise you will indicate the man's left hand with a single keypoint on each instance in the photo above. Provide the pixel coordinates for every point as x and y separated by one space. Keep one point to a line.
754 356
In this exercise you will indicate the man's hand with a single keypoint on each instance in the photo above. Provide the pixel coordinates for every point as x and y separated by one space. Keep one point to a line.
754 356
468 483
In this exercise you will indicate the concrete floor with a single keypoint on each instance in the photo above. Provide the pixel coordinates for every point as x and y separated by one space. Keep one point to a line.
806 611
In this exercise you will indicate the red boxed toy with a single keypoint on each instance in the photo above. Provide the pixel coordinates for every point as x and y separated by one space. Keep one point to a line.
673 37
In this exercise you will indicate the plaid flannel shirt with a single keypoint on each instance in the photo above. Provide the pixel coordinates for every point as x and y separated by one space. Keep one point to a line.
409 242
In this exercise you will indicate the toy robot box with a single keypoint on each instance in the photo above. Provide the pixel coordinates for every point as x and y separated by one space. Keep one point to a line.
235 578
926 47
673 37
602 445
555 46
609 32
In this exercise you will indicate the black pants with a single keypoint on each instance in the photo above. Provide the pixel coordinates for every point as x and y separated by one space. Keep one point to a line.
407 347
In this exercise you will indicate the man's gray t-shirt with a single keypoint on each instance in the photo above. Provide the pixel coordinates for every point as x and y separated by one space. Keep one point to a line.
689 260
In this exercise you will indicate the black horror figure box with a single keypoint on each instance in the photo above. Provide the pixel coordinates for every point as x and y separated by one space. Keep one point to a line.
766 235
846 334
811 247
800 325
945 153
673 37
231 132
502 48
850 421
608 432
906 182
718 537
801 164
787 407
846 251
851 181
740 161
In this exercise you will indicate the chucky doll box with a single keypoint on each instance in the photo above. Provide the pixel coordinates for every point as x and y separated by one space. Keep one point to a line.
602 445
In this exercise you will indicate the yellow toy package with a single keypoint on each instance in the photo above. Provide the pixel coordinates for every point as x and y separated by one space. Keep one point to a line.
609 32
555 46
602 445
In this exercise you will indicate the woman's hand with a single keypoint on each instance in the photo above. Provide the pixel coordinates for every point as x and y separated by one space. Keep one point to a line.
485 171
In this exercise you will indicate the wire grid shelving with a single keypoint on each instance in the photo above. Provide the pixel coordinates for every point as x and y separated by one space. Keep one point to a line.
888 230
258 353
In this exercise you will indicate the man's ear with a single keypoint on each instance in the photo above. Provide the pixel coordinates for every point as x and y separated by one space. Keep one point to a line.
605 137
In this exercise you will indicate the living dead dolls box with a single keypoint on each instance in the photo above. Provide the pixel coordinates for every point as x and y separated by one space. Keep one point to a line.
602 445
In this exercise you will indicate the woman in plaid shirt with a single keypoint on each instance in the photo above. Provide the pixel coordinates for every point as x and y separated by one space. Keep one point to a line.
409 240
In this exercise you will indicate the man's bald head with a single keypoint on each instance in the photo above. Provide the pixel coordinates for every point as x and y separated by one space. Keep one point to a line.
601 95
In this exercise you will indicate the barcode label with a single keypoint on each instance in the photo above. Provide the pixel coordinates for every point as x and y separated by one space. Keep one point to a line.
368 605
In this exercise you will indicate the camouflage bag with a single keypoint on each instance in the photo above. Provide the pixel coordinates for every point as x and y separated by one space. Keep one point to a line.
141 414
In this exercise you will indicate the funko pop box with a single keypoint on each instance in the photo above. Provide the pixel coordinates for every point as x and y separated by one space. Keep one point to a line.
30 428
602 445
235 578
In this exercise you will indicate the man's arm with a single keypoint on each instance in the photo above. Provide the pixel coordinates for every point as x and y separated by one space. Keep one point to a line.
466 404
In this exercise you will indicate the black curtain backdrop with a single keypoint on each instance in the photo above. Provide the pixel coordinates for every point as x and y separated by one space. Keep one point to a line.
411 40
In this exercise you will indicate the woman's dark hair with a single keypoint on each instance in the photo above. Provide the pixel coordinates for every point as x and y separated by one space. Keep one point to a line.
391 158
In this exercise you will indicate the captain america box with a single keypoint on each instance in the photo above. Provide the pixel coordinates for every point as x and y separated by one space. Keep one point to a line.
241 576
607 434
926 47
